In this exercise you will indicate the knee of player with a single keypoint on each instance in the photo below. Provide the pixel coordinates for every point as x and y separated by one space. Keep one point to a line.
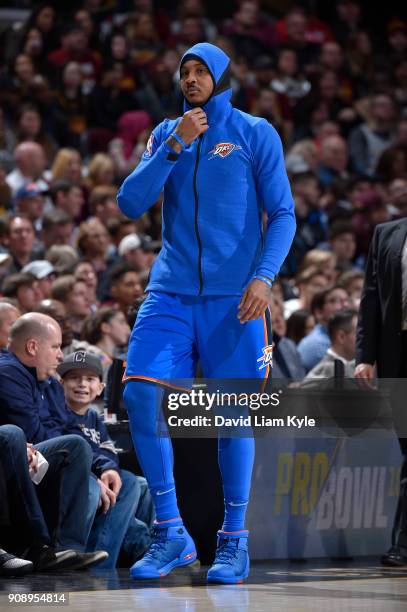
140 397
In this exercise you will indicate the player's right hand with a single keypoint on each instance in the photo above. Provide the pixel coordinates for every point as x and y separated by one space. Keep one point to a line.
193 123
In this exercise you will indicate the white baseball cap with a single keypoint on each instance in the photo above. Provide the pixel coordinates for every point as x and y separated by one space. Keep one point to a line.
131 242
4 257
40 268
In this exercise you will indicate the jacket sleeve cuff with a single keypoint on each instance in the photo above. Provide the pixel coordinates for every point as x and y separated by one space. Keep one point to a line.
169 153
266 273
98 468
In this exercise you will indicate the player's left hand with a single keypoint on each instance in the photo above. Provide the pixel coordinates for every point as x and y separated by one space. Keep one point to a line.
254 302
112 480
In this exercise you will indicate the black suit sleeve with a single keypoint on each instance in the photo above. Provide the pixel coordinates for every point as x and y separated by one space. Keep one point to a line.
369 311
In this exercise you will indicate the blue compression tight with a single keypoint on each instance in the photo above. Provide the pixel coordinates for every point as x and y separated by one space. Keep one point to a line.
155 455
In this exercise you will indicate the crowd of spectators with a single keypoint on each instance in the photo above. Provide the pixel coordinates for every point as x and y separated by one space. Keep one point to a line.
81 89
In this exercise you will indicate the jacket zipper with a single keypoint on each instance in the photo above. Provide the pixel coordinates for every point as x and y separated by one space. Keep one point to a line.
198 237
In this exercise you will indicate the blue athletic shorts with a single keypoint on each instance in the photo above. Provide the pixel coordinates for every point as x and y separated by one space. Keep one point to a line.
173 332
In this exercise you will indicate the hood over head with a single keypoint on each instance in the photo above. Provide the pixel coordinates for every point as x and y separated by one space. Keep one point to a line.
218 64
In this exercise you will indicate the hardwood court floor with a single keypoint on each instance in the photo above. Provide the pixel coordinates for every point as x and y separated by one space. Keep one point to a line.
360 585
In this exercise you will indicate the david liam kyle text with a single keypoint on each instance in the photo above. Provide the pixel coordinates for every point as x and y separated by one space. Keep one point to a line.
250 420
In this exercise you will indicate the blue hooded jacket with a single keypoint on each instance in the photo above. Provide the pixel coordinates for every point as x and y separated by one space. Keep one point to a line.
215 192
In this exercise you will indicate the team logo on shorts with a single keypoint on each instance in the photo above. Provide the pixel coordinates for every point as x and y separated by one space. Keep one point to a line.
267 358
223 149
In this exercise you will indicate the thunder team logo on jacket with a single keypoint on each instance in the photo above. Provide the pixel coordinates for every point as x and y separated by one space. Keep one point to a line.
223 149
149 147
215 193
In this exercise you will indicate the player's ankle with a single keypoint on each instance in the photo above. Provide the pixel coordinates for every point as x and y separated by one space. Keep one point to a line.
172 522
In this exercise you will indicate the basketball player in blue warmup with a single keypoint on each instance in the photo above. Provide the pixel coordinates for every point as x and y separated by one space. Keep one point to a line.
208 291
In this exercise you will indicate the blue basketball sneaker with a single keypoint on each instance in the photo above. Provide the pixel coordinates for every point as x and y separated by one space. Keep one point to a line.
231 565
171 547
